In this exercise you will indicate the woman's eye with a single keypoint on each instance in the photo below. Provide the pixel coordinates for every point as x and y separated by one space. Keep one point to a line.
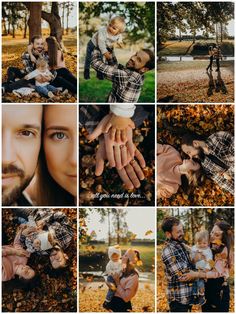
59 135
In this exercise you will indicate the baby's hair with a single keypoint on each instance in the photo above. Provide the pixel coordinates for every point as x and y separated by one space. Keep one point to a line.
202 235
41 62
118 19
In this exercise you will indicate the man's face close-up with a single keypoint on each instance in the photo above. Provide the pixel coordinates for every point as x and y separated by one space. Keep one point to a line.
38 44
138 61
21 139
177 232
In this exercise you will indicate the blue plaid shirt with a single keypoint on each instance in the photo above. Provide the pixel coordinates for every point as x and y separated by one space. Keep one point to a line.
177 262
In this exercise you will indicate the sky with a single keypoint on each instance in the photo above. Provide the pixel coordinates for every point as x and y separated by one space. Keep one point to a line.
139 221
73 20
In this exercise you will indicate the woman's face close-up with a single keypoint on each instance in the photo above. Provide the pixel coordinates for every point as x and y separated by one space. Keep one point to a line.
60 129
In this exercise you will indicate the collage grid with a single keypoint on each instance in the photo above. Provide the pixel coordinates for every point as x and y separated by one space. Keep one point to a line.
125 207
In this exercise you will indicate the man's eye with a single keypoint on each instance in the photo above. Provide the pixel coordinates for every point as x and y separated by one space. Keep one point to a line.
26 133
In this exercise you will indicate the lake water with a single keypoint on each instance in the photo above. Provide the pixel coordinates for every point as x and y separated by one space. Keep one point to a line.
190 58
143 276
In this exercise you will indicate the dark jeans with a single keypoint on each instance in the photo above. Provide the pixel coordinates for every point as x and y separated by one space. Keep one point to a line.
179 307
217 296
66 80
9 87
210 64
110 293
119 305
13 73
88 57
43 90
217 64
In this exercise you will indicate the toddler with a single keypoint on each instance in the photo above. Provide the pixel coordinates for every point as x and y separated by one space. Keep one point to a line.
45 88
201 255
114 266
105 39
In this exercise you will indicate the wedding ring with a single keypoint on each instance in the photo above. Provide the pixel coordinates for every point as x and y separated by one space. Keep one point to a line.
133 161
122 146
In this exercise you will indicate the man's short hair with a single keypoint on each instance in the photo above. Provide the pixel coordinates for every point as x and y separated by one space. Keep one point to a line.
151 62
168 223
35 37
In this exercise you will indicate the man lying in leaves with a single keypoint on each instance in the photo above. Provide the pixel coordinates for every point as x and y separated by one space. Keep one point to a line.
46 233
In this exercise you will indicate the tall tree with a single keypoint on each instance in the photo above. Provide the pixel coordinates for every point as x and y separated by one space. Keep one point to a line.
34 21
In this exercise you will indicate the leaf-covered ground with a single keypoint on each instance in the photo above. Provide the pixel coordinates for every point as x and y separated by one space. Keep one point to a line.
53 293
92 296
188 82
202 119
108 189
162 303
12 50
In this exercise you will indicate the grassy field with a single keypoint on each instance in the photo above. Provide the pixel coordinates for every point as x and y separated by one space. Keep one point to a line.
94 90
175 48
147 253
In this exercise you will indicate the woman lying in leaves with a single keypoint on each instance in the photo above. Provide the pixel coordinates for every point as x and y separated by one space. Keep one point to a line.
171 168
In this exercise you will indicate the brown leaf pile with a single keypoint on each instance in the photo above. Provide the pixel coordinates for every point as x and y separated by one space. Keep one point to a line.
202 119
53 294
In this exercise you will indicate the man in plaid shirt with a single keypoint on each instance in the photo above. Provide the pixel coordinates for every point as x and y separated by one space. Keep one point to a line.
127 81
29 62
59 227
177 263
216 154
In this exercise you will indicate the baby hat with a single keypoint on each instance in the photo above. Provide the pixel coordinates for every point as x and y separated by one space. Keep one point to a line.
45 244
114 249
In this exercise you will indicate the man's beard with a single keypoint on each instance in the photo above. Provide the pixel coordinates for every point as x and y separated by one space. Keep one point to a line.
12 196
201 154
131 66
181 239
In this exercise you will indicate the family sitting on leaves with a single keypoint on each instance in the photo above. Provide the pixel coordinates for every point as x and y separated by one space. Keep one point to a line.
44 73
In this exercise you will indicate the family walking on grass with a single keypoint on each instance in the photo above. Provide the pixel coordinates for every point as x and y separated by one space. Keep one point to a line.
127 81
211 156
122 279
198 275
44 74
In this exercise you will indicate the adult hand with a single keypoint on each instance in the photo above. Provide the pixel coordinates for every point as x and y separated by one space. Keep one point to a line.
188 276
116 277
29 230
132 174
107 55
100 129
22 253
40 224
42 79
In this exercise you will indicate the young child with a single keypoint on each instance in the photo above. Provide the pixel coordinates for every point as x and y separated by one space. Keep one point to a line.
114 266
201 255
105 39
34 241
45 88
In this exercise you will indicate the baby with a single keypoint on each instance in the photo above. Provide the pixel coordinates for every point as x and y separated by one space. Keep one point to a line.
45 88
201 255
105 39
35 241
114 266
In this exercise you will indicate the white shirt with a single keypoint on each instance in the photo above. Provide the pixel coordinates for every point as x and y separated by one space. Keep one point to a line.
114 267
36 72
202 264
102 39
126 111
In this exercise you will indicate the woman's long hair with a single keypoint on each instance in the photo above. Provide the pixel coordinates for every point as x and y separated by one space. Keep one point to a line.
53 47
227 238
48 191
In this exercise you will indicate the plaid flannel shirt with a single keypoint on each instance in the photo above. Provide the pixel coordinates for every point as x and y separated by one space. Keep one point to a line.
127 84
221 145
58 223
177 262
28 64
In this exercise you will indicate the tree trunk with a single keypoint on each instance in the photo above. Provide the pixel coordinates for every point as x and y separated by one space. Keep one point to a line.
67 20
54 22
118 228
34 21
109 227
221 32
180 35
13 31
216 33
25 26
63 17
